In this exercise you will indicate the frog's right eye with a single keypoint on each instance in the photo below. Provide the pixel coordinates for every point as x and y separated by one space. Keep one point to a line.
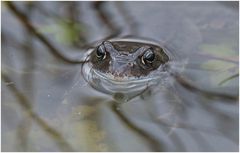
101 52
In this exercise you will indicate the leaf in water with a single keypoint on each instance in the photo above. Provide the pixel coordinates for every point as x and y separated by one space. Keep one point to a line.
217 65
70 32
224 50
223 70
86 136
229 78
65 31
82 112
81 130
224 60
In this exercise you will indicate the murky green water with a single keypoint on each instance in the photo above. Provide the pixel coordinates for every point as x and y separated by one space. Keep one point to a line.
47 105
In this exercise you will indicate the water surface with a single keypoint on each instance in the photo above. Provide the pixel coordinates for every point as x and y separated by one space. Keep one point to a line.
48 106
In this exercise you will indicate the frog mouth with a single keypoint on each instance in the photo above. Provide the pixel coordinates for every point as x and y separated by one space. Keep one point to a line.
111 84
114 84
118 79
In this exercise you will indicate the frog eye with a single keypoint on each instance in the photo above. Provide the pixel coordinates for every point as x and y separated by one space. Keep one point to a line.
148 57
101 52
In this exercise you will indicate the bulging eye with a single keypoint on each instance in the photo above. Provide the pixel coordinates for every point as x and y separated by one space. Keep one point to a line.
148 57
101 52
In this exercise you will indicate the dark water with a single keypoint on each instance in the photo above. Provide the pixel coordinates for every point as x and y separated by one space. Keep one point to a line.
47 105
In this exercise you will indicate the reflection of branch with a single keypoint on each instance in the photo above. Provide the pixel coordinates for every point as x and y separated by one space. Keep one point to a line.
29 55
181 125
22 17
182 81
154 143
229 78
104 16
223 116
26 105
23 132
171 133
73 14
133 26
164 125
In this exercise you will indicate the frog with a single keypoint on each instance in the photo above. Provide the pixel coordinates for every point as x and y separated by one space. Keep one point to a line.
126 67
127 59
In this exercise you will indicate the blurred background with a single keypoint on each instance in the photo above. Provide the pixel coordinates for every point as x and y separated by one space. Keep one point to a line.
47 106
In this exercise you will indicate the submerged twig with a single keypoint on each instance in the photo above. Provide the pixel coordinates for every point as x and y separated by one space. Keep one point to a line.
209 94
28 52
24 20
130 21
229 78
104 16
154 143
26 105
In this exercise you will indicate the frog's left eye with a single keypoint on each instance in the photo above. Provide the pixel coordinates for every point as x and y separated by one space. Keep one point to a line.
148 57
101 52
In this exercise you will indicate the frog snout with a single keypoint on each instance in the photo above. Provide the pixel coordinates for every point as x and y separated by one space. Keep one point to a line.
121 68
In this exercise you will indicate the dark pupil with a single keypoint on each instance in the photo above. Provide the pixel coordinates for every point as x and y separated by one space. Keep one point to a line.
149 55
101 52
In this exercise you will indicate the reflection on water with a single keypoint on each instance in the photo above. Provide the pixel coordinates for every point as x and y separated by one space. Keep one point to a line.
47 105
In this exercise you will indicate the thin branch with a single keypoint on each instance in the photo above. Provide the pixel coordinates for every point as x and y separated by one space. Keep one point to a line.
154 143
229 78
104 16
182 81
130 21
24 20
26 105
29 53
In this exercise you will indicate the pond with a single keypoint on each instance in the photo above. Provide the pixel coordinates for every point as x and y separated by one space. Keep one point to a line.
52 102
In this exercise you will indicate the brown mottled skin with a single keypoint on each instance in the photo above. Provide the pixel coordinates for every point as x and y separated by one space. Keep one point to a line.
126 58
